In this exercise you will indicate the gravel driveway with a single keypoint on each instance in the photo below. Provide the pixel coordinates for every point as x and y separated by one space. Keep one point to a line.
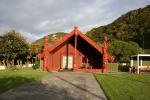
58 86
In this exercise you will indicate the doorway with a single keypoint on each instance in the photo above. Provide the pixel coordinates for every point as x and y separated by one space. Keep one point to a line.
67 62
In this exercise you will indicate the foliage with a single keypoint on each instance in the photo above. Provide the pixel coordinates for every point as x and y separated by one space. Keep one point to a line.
133 26
14 43
13 46
123 49
38 45
124 68
36 65
10 79
147 51
124 86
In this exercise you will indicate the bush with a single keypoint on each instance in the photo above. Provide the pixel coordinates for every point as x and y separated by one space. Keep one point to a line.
36 65
124 68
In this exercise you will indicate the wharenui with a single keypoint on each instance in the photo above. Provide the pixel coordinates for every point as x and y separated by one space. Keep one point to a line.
75 52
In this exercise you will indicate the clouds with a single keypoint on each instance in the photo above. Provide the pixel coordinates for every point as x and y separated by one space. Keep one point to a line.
38 17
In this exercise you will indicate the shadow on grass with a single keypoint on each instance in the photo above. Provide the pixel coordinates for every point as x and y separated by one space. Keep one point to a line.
129 79
35 90
7 83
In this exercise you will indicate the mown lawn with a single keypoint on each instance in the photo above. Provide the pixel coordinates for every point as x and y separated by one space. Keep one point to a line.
12 78
124 86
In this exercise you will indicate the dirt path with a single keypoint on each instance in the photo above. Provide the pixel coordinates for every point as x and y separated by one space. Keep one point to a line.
58 86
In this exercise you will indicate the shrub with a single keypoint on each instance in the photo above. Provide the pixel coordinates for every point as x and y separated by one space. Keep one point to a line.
124 68
36 65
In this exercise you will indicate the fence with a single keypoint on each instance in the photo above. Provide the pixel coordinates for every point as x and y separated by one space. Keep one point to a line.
113 67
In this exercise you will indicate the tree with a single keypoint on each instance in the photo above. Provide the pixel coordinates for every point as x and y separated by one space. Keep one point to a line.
123 49
13 46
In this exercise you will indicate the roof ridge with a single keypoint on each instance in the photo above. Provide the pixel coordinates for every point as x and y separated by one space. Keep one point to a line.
75 31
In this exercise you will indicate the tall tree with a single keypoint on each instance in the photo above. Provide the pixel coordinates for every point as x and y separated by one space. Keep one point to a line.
13 46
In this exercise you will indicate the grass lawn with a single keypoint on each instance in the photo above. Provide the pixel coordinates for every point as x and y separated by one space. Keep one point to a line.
124 86
13 78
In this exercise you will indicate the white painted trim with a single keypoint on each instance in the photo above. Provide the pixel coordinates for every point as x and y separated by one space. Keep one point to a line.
131 62
138 60
138 64
141 62
143 55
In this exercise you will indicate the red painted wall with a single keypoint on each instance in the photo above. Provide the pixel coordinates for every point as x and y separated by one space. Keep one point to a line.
56 56
97 57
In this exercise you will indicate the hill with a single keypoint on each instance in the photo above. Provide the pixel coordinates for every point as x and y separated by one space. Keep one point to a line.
132 26
37 46
127 35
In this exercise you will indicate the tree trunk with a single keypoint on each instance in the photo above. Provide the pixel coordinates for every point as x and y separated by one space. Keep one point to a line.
4 63
0 62
7 63
18 63
21 63
12 62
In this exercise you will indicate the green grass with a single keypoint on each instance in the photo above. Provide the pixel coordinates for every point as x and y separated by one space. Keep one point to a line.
124 86
12 78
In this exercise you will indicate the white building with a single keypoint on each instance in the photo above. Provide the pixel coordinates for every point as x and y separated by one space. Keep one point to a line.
140 61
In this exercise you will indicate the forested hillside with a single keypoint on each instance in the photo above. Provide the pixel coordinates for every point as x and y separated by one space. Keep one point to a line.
128 35
133 26
37 46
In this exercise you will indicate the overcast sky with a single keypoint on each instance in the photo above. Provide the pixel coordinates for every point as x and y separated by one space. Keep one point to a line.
36 18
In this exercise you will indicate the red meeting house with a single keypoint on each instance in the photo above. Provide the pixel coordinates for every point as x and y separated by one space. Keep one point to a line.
75 52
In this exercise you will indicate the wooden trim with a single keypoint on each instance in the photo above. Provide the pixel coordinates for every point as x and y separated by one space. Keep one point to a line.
77 32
